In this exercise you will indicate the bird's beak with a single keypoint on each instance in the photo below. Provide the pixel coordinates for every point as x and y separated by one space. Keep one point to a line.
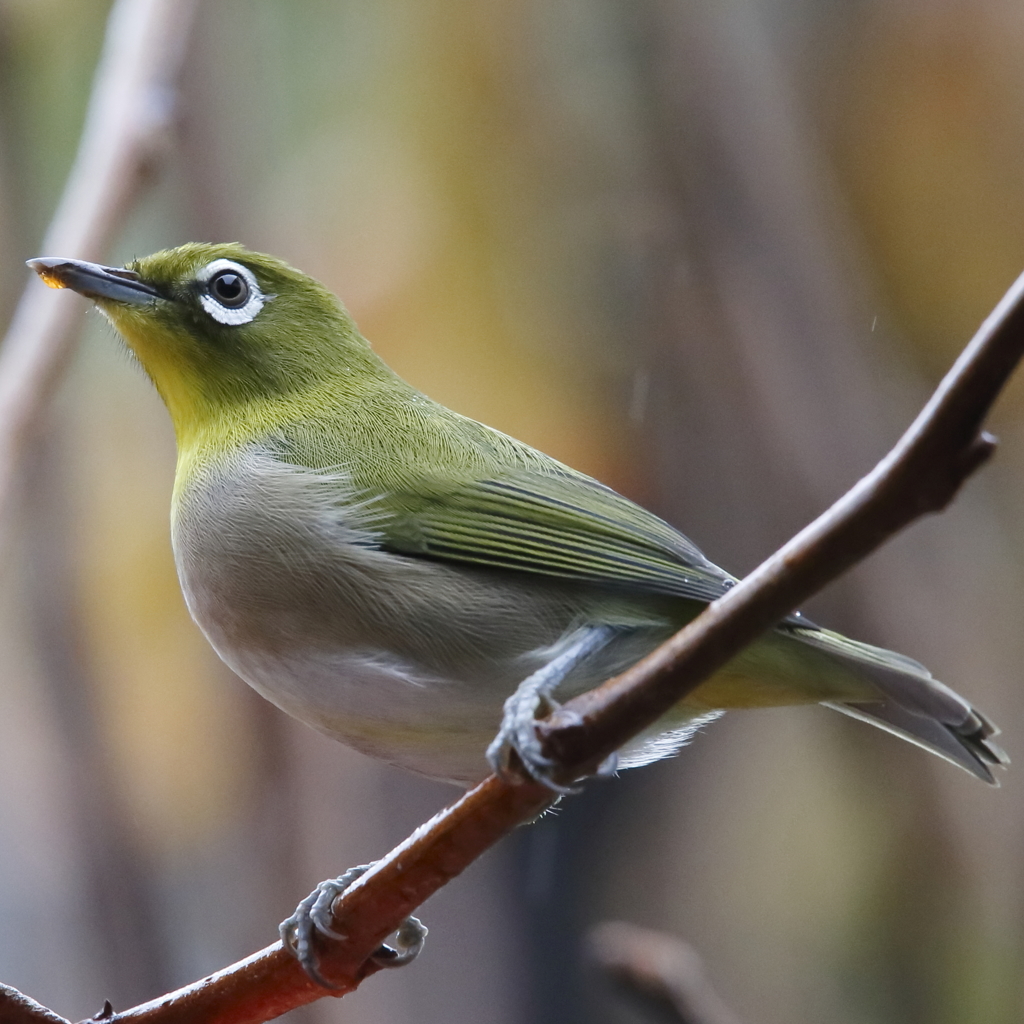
94 281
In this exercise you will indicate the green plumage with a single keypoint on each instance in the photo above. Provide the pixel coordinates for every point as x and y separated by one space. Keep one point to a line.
389 570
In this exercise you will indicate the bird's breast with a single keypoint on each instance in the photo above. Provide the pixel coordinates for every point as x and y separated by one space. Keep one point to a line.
405 658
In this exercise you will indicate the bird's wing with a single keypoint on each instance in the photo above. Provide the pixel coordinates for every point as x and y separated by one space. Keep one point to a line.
552 523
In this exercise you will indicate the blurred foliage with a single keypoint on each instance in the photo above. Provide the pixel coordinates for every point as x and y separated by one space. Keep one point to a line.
932 137
713 254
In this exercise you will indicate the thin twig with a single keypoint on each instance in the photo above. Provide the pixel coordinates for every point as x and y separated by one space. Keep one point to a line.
921 474
271 981
660 973
124 136
16 1008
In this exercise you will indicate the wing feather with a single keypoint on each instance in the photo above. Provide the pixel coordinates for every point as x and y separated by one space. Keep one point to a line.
555 524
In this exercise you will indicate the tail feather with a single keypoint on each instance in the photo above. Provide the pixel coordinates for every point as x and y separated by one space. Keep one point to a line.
973 751
914 705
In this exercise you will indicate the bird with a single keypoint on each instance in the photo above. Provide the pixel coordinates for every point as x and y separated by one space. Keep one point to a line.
414 583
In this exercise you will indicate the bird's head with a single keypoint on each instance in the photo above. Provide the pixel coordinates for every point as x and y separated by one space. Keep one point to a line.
218 327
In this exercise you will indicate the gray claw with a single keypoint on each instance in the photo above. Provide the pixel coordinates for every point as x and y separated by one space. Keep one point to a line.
517 734
532 700
409 940
315 913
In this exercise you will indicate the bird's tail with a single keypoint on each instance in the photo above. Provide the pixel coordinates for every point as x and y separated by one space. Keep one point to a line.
913 704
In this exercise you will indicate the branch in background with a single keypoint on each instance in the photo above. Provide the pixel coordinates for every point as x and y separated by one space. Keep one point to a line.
123 140
922 473
662 975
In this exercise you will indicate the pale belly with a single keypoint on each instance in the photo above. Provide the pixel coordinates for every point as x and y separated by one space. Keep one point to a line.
410 660
405 659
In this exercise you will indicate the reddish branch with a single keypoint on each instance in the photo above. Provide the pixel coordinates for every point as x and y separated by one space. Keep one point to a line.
16 1008
921 474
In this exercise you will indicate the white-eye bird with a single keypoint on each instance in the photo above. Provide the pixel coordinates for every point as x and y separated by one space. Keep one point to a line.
394 574
390 572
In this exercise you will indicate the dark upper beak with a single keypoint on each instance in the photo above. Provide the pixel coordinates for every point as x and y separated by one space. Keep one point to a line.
94 281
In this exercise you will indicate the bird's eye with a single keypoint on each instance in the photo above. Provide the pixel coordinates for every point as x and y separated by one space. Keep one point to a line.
229 289
229 292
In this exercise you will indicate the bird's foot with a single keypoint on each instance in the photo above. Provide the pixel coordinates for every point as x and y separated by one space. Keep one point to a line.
314 914
532 700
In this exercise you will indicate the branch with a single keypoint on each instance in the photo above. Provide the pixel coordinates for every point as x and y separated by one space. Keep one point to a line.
661 974
16 1008
921 474
124 137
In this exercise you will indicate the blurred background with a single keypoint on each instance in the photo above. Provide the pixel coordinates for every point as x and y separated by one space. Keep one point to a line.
715 254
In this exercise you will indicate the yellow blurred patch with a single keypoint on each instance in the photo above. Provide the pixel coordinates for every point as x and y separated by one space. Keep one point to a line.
174 732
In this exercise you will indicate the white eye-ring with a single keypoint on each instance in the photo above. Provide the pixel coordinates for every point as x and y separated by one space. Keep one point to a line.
229 292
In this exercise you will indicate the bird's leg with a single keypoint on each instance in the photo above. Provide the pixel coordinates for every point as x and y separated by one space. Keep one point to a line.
532 700
314 914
